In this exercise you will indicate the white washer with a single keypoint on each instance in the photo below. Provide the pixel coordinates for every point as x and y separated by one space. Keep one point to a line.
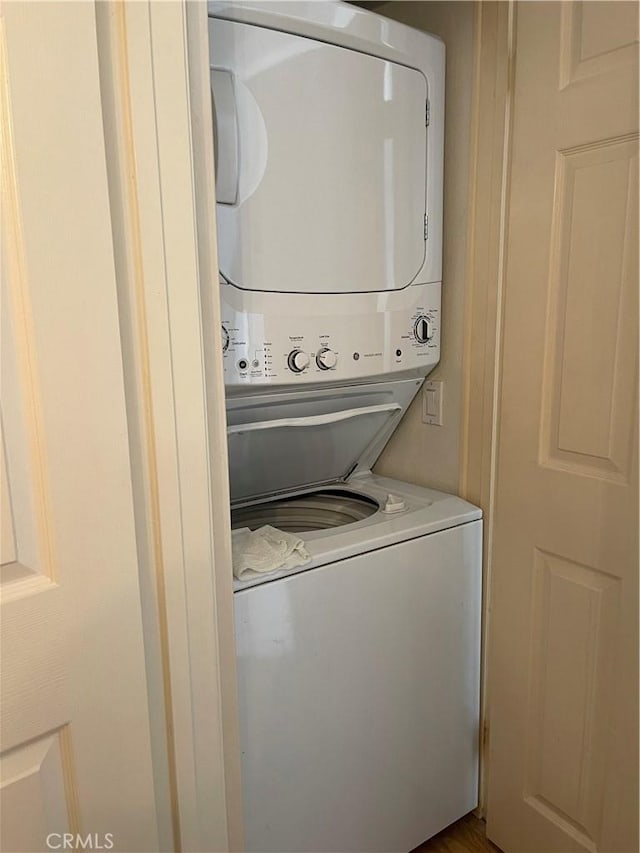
358 681
358 674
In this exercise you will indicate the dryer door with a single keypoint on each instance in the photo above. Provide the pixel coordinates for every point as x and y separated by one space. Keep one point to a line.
321 164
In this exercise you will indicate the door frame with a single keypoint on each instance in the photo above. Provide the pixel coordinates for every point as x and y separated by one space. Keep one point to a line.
493 82
188 565
154 70
175 385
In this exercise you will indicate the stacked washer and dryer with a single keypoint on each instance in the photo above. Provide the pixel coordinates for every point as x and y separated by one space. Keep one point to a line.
358 673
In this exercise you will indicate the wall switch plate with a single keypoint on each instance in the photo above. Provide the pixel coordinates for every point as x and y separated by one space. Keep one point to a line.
432 394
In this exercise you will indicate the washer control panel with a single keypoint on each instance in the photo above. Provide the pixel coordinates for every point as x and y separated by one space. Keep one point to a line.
371 337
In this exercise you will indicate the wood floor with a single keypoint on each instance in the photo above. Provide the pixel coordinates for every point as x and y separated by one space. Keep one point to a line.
465 836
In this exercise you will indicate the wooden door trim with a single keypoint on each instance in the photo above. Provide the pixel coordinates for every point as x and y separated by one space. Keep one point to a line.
154 69
214 388
493 78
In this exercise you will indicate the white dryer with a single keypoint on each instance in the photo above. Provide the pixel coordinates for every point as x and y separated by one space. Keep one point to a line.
329 128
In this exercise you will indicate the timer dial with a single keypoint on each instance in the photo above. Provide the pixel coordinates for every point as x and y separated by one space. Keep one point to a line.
298 360
423 330
326 359
225 339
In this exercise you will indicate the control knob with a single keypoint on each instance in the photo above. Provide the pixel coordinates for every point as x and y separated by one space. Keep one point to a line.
225 339
326 359
423 330
298 360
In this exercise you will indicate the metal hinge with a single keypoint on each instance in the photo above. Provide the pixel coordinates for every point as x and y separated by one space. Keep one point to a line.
426 226
428 113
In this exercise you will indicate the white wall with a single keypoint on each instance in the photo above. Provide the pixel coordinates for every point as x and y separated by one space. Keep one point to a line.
420 453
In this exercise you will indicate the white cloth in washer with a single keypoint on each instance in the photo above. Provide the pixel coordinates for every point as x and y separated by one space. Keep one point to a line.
267 549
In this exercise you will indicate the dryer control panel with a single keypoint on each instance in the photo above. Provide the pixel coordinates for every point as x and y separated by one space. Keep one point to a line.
364 335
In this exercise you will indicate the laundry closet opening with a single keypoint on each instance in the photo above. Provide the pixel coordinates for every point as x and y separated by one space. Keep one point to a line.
354 592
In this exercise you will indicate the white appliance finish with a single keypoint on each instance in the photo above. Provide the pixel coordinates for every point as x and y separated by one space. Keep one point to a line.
272 340
349 132
426 511
358 682
329 134
358 674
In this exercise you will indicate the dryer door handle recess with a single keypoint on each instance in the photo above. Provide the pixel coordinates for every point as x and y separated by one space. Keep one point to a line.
225 135
314 420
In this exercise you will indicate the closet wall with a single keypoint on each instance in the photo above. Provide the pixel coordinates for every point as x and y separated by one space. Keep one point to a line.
418 452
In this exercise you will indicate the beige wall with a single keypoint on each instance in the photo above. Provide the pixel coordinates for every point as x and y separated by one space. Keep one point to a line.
418 452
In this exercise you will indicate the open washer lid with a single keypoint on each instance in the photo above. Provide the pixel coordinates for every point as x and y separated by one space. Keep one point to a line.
286 442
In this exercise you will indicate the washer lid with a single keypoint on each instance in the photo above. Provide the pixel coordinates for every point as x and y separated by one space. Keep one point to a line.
281 443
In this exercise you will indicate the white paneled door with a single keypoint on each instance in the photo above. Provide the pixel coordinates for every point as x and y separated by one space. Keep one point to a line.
75 754
563 634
